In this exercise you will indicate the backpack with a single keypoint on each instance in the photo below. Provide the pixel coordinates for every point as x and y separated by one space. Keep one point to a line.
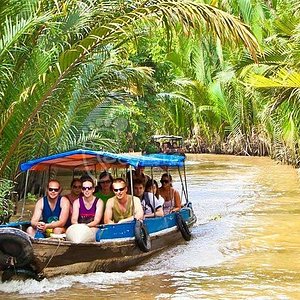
147 202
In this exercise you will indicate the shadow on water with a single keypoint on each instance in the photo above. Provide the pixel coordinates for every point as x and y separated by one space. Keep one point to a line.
245 244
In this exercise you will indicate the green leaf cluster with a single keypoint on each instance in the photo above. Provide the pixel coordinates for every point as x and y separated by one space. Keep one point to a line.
6 204
62 61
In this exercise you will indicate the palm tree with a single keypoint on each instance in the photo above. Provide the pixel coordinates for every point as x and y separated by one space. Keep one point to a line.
52 52
278 80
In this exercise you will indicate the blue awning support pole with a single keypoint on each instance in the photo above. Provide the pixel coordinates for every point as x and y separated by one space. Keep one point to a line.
49 173
25 192
131 186
170 196
182 185
185 182
152 182
131 180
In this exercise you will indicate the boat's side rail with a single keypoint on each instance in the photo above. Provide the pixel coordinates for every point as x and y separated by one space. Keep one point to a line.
153 225
126 230
19 224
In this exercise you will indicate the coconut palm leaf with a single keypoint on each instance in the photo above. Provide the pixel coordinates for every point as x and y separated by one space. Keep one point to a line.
60 51
283 79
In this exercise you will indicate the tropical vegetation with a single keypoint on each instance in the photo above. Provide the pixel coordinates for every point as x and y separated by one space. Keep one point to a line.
6 203
108 74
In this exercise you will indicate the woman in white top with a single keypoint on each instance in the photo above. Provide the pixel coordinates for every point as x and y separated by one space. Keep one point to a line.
153 206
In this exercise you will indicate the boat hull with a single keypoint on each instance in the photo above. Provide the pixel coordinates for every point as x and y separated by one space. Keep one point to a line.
65 258
115 249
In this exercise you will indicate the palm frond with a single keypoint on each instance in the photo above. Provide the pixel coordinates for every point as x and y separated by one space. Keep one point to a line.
284 79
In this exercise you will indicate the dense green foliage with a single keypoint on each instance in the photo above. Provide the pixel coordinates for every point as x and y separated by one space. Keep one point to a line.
218 99
72 73
109 74
6 204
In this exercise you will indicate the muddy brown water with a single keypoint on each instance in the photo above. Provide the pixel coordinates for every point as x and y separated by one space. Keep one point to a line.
246 243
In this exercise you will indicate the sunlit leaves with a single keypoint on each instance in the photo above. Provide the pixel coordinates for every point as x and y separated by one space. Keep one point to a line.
284 79
61 59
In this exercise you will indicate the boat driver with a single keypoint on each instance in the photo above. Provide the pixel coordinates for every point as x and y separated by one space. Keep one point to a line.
51 212
122 207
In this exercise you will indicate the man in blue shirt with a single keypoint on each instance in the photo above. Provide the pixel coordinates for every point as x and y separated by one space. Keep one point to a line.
51 212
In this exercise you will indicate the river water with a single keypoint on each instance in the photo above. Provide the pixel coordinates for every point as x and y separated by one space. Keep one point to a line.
246 243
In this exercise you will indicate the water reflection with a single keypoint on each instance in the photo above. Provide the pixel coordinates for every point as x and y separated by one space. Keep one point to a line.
245 244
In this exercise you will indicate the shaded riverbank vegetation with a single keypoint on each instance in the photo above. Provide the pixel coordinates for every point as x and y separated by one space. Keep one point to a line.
109 74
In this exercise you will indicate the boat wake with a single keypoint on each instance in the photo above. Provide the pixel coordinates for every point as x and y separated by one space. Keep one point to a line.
100 281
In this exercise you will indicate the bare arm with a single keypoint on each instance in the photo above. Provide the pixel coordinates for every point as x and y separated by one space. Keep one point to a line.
64 214
75 213
138 209
158 213
37 213
98 214
126 220
108 212
177 200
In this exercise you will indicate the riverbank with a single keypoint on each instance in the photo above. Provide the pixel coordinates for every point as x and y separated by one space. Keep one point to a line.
245 244
242 145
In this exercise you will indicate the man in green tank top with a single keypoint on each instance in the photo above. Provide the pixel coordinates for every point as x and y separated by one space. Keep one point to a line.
122 207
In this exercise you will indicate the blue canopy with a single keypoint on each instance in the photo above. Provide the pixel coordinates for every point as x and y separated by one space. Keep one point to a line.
89 159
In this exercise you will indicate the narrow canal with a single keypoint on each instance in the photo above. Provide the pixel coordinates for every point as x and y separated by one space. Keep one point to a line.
246 243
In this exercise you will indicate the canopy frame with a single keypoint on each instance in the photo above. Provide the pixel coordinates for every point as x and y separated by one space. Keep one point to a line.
89 160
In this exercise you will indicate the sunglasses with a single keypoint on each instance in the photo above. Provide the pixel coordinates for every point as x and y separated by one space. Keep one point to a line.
53 189
105 181
119 189
87 188
76 186
164 181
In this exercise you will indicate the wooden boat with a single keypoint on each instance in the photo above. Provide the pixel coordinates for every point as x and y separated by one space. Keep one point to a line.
117 247
167 144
